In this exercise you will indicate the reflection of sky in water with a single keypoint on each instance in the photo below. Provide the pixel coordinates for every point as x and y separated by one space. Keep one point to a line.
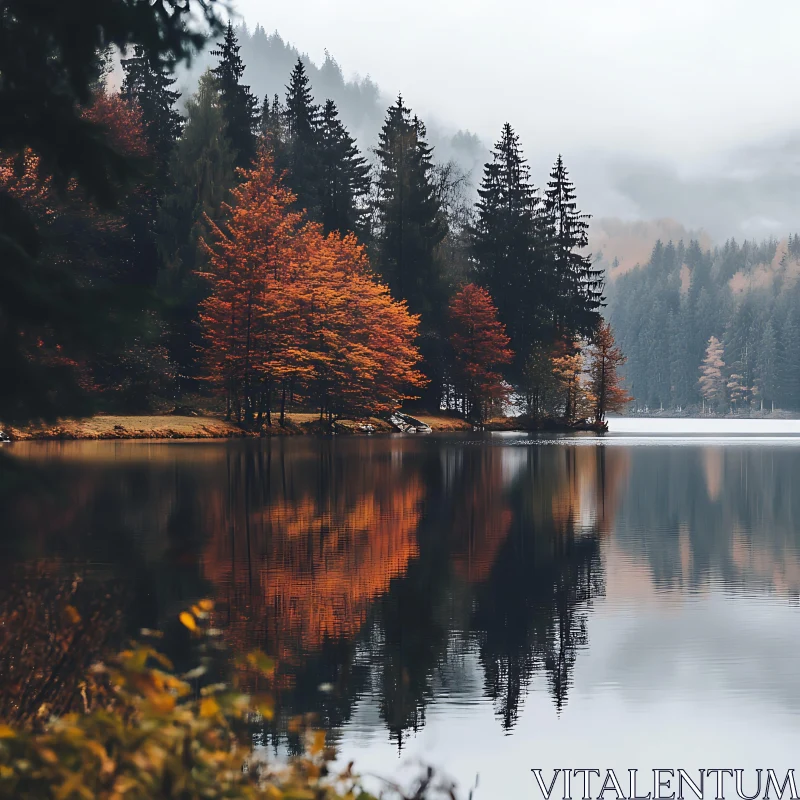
692 658
708 681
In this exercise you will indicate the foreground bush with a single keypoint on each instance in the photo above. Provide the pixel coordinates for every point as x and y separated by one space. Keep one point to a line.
157 737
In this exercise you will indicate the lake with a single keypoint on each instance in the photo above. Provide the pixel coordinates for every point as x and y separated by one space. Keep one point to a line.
485 603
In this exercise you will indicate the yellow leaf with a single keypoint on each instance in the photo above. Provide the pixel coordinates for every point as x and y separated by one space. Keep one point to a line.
206 605
72 614
6 732
265 707
317 743
162 702
208 707
187 620
264 664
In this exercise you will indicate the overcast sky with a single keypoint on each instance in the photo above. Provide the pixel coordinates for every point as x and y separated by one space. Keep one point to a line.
700 93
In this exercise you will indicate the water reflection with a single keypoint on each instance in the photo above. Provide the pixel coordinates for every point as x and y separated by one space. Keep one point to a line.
400 573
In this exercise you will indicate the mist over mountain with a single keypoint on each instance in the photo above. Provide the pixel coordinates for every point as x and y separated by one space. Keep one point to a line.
744 191
362 104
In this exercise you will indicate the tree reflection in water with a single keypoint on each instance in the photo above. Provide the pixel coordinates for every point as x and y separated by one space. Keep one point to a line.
370 567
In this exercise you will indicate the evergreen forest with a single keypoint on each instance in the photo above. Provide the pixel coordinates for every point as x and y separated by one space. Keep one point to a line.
711 330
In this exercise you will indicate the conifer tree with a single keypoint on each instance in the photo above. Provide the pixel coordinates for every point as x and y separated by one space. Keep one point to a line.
302 118
767 366
239 106
410 223
151 89
506 238
579 284
202 170
345 175
273 132
788 360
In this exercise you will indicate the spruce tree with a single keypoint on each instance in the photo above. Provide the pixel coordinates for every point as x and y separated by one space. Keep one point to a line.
506 244
239 106
409 227
202 169
409 218
302 117
579 285
150 88
345 175
274 133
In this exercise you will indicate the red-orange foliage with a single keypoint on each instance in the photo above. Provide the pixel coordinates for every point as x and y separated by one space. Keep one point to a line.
480 346
605 383
294 311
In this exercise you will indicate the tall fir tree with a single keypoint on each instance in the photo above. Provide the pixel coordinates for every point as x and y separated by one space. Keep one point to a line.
409 228
304 161
273 132
506 245
410 223
579 284
345 175
203 172
150 87
239 105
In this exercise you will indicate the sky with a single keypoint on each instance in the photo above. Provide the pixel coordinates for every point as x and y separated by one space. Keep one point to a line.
683 109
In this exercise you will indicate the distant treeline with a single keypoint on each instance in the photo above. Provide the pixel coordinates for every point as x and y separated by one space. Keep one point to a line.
719 328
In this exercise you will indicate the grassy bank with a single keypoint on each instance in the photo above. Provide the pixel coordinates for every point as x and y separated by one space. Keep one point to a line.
171 426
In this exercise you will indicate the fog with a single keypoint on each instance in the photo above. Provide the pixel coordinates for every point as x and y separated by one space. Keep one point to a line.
682 109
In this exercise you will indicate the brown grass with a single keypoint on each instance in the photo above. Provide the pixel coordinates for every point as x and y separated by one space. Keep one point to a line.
443 422
132 427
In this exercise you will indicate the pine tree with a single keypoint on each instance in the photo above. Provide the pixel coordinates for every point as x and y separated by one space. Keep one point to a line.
345 175
239 106
410 223
712 377
506 238
767 366
303 141
202 170
150 88
788 360
274 133
579 284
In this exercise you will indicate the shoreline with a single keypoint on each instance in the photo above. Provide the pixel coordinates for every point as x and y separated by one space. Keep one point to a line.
176 427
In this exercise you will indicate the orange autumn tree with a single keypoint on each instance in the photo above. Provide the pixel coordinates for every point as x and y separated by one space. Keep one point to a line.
297 313
605 383
480 347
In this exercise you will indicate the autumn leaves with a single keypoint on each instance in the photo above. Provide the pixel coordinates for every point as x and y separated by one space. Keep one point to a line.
297 317
294 314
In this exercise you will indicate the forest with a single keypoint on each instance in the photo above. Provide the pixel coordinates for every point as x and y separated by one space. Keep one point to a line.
250 256
714 331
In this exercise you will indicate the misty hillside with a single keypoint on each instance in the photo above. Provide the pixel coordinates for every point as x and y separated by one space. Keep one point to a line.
362 105
745 295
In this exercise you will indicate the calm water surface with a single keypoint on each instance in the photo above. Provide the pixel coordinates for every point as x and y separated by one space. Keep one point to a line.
485 603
